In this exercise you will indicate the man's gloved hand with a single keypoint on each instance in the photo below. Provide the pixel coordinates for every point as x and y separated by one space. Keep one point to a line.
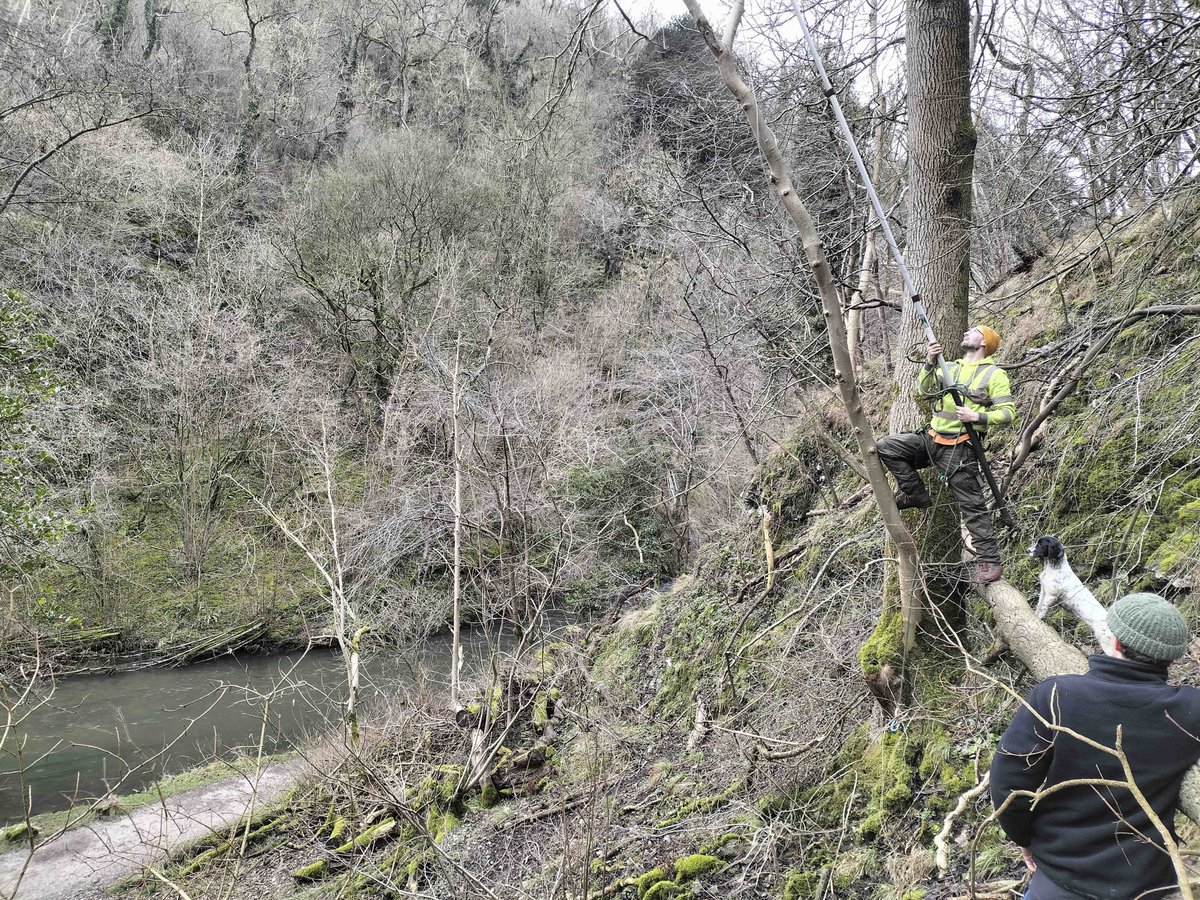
932 352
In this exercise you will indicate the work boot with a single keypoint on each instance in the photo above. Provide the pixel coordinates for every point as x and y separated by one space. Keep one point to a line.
913 501
987 572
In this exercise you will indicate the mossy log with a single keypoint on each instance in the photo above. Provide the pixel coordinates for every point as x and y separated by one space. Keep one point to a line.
318 869
521 771
313 871
337 830
20 832
1045 653
368 836
272 824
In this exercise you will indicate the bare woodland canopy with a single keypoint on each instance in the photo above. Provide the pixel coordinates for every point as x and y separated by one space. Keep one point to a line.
499 296
243 222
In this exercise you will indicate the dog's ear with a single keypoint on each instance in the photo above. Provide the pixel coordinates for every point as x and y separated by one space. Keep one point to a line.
1054 549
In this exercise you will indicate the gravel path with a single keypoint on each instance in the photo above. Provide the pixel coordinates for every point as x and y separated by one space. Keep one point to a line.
76 863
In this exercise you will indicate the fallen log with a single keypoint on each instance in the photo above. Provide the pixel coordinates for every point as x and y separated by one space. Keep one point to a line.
318 869
272 823
521 771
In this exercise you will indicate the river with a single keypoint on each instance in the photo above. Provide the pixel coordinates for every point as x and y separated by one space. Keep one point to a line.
82 737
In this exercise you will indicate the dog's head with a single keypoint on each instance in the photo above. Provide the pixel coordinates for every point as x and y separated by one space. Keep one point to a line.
1048 548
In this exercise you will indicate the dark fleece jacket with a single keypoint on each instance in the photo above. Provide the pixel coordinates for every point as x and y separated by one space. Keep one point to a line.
1094 840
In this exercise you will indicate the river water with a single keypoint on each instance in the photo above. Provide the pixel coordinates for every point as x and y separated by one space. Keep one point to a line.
83 737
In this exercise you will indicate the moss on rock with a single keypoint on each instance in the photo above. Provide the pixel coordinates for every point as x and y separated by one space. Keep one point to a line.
689 868
647 880
801 885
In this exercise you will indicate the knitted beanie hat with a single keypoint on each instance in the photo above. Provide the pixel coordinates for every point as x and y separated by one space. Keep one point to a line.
1149 625
991 339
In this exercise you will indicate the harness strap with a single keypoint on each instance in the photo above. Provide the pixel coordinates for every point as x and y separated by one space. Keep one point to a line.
947 440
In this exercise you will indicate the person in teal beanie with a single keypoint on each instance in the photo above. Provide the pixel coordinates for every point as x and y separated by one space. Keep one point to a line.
1086 840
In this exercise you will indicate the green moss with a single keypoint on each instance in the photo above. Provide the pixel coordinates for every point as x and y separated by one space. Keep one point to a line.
675 697
937 751
801 885
440 823
1176 551
543 704
19 834
439 789
871 826
1131 509
664 889
729 837
888 761
700 805
689 868
337 831
489 796
330 818
917 894
616 664
785 482
703 626
884 646
644 882
369 836
312 872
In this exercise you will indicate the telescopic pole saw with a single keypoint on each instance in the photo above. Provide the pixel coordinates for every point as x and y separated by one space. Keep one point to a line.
918 306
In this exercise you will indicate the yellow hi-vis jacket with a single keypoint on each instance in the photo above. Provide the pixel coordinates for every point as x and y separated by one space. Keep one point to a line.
984 387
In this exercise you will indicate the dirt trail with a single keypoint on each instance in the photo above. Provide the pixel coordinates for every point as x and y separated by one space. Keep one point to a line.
77 863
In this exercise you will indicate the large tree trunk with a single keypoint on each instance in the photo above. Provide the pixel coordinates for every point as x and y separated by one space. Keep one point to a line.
941 160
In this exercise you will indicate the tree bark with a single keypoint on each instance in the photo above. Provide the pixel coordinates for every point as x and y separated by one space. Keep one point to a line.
941 157
941 163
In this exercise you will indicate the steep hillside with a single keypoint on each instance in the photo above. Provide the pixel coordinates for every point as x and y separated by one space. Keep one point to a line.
717 739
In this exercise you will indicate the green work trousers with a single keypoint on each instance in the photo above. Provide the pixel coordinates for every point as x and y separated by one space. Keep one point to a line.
906 454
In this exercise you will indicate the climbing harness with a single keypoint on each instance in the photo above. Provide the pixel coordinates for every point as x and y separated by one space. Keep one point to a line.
918 306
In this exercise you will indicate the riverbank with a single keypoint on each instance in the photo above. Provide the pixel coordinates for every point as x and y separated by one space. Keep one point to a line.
64 651
84 857
44 827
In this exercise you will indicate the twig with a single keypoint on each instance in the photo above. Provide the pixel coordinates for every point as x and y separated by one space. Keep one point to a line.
942 856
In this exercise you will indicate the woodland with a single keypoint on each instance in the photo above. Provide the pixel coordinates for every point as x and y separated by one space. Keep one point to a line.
335 322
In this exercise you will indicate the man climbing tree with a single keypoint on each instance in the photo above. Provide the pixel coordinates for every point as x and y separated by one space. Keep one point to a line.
987 401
